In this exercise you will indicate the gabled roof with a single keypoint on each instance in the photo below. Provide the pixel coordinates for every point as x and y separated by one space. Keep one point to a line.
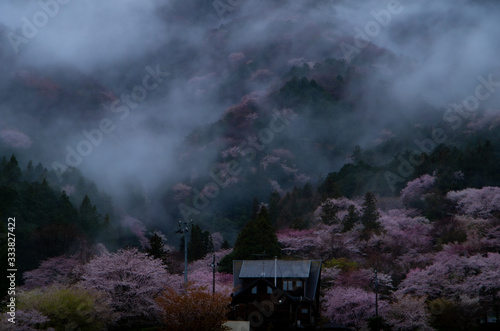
271 268
309 270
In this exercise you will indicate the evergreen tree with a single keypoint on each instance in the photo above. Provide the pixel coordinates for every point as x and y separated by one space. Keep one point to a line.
256 239
350 219
11 173
199 245
157 249
196 249
29 173
255 209
329 213
225 244
66 213
370 215
274 207
89 217
330 188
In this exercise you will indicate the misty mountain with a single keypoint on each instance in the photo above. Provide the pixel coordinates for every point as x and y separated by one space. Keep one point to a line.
192 109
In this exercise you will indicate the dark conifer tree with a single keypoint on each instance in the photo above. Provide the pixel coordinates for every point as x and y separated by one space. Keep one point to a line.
157 249
350 219
329 213
89 218
257 239
370 215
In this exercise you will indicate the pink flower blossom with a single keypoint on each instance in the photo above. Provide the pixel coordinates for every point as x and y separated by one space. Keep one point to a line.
16 139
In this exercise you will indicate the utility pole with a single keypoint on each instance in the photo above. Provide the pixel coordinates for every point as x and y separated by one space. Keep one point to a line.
213 265
184 229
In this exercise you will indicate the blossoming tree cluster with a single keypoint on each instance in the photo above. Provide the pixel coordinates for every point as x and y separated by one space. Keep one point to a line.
431 274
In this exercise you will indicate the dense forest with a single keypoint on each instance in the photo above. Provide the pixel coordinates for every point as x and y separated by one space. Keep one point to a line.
271 129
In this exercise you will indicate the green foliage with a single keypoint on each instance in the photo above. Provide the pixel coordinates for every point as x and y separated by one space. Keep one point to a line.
306 96
10 172
342 264
199 245
89 218
157 248
350 220
257 239
225 244
67 308
255 209
47 222
329 213
274 208
296 206
458 315
370 216
352 180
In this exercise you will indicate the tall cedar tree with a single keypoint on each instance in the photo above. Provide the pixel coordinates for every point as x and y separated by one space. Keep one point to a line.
11 173
350 220
199 245
157 249
329 213
255 209
370 215
257 239
89 218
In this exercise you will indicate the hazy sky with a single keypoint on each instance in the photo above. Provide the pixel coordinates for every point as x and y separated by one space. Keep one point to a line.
111 44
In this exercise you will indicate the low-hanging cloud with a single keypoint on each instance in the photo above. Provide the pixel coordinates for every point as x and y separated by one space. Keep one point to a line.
92 53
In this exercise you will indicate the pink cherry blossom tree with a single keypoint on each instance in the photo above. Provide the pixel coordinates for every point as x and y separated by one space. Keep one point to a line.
451 274
477 202
26 320
131 279
403 233
200 274
351 306
408 313
60 270
416 189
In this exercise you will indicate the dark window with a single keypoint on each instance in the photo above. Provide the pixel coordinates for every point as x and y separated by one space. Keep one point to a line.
287 285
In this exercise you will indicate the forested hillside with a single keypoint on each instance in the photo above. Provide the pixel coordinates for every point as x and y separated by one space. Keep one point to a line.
363 134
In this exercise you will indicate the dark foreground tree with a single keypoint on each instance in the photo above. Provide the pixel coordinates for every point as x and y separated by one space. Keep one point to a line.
370 216
196 308
257 240
157 248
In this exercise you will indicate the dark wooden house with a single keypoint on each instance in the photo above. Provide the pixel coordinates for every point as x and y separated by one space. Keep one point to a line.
284 294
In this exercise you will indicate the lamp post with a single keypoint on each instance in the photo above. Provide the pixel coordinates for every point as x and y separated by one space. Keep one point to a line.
184 229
